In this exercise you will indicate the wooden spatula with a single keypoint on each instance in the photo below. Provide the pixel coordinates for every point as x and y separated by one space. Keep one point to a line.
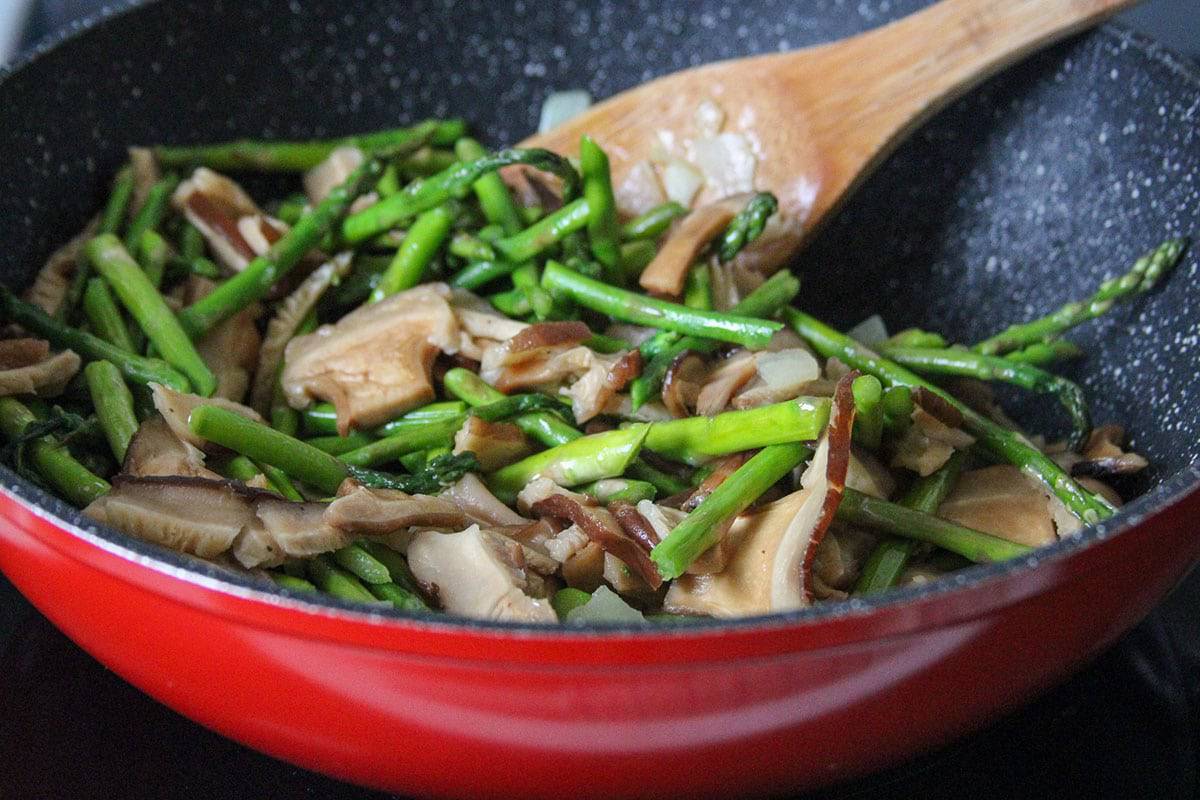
819 120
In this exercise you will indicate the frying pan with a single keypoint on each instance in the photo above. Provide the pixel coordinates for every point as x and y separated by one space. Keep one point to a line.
1028 192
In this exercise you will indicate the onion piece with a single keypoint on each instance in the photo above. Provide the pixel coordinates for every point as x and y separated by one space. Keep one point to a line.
562 106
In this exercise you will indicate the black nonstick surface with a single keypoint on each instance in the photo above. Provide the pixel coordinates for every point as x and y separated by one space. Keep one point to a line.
1030 191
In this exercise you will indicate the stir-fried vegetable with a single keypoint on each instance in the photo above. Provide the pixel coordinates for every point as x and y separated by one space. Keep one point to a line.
457 402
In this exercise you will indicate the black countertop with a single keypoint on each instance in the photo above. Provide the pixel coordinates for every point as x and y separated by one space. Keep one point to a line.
1128 725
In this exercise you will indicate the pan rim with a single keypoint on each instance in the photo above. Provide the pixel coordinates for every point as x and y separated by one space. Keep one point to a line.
1170 492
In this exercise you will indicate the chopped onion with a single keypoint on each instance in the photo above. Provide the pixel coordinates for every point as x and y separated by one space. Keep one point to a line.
681 180
727 163
871 332
605 606
562 106
709 117
787 368
640 191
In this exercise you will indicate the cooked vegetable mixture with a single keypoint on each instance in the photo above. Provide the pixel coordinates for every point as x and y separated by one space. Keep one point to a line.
448 379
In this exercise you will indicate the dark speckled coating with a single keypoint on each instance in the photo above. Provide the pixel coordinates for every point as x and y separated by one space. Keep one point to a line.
1029 192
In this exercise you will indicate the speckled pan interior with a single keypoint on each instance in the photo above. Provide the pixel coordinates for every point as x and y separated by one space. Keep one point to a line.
1025 194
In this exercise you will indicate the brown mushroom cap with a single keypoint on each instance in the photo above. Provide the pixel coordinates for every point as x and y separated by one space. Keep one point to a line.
682 384
378 511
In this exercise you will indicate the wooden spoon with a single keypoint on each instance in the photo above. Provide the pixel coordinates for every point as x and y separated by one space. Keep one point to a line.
820 119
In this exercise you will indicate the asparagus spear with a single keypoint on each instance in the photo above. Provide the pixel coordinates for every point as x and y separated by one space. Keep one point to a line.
705 524
641 310
494 197
147 307
337 445
603 230
868 415
304 462
697 291
355 559
635 257
260 156
586 459
118 202
399 597
421 436
694 440
103 315
292 582
481 273
134 367
321 418
546 232
332 579
542 426
1141 278
998 368
472 248
266 445
1001 442
898 407
747 226
53 462
420 245
153 253
397 567
282 483
860 509
449 183
260 275
567 600
652 223
191 240
152 211
1042 354
889 558
114 405
611 490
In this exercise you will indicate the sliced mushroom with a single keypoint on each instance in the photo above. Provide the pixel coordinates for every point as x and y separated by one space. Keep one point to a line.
289 313
231 348
605 377
666 274
723 469
495 444
477 574
602 528
49 288
332 172
635 525
1004 501
376 362
379 511
928 443
214 204
563 545
23 352
780 375
177 407
725 381
525 359
868 476
1104 456
260 231
475 500
156 450
585 568
682 384
299 530
482 326
542 487
46 378
191 515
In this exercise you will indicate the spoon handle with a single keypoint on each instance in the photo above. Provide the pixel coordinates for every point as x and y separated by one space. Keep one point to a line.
908 70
